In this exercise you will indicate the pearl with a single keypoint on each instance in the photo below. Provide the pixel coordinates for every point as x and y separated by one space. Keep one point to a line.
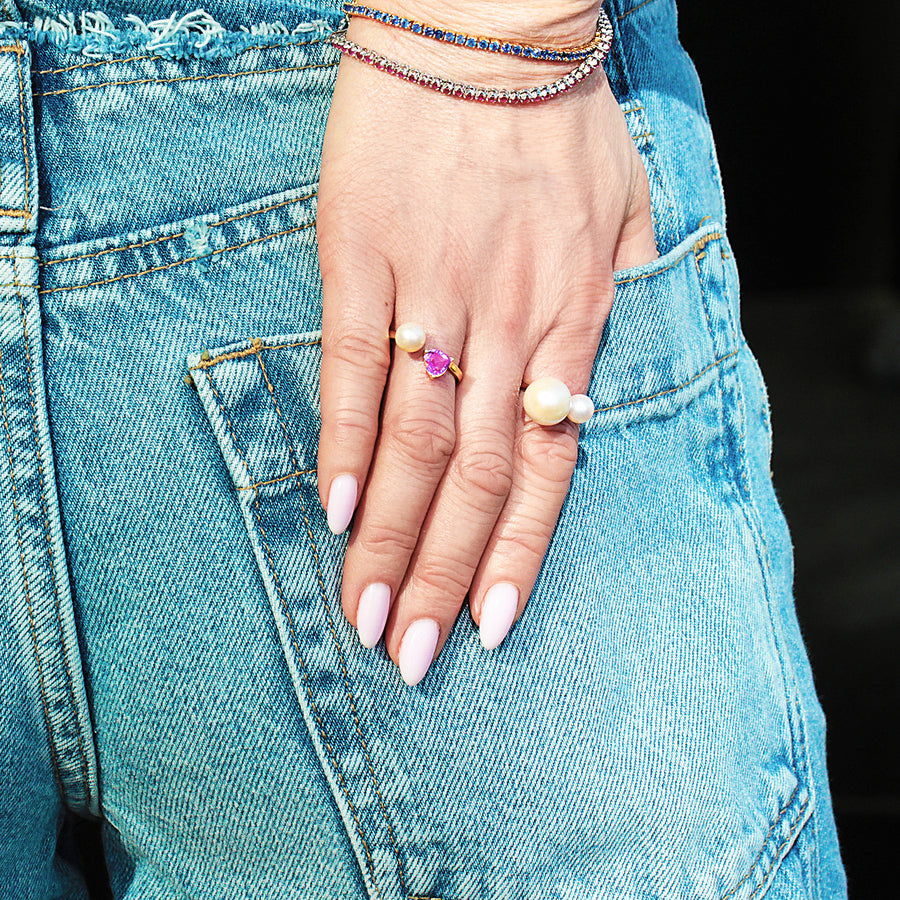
547 401
581 408
410 337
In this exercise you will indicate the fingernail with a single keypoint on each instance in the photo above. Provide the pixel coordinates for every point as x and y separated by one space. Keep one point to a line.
417 649
342 502
498 609
374 604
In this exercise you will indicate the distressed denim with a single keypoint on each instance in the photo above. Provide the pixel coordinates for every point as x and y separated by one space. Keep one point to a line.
174 660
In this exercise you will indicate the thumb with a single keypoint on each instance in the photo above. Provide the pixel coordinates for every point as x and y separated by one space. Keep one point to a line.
637 242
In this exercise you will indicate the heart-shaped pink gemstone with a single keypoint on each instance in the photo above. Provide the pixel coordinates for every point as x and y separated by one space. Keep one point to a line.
436 363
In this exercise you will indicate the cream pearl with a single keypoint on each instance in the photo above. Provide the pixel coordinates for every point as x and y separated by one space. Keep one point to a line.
410 337
547 401
581 408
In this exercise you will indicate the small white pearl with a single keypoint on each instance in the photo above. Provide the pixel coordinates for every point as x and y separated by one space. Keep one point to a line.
410 337
581 408
547 401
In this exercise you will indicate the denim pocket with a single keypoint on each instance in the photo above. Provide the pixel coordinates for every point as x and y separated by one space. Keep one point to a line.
633 735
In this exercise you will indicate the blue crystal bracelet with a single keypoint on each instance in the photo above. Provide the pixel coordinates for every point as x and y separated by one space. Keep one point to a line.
602 36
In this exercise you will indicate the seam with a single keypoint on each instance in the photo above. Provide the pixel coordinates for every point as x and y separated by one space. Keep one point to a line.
294 640
259 484
180 262
33 627
247 351
20 213
154 56
699 245
170 237
777 855
765 841
70 690
634 9
680 387
344 672
87 87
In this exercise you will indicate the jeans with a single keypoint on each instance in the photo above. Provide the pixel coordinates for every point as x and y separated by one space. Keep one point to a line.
174 660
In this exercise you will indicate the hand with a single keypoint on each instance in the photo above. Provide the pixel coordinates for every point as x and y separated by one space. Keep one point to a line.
497 229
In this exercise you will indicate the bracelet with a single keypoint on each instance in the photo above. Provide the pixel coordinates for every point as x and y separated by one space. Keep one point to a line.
470 91
603 35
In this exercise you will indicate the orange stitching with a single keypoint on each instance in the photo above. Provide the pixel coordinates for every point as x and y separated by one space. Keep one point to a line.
86 87
44 507
19 213
18 49
331 627
169 237
181 262
699 244
33 626
259 484
113 61
257 345
687 383
784 809
24 135
294 640
634 9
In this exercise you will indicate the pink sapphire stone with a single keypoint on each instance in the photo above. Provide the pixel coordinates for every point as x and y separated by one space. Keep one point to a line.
436 363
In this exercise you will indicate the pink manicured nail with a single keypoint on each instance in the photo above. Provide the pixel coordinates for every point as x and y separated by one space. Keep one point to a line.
417 649
374 605
342 502
498 609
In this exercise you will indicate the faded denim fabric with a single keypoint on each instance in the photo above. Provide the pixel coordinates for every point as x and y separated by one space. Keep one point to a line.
174 658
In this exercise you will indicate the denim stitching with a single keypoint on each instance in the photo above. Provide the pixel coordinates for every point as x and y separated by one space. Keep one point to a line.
294 639
765 841
44 507
86 87
151 57
673 390
791 836
706 239
334 635
23 213
169 237
33 626
257 345
634 9
259 484
180 262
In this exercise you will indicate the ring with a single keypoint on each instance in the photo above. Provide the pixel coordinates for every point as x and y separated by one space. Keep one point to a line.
548 401
411 338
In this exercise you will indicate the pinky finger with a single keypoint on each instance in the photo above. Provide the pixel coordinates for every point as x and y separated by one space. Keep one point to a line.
544 462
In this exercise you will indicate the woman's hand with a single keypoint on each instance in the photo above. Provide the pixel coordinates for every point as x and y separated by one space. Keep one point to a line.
497 229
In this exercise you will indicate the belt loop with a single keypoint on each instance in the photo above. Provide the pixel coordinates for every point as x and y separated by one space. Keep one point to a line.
18 172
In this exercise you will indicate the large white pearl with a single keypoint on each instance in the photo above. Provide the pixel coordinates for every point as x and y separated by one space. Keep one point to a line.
547 401
581 408
410 337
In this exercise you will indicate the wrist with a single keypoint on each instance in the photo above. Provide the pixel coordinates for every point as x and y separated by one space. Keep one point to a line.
560 23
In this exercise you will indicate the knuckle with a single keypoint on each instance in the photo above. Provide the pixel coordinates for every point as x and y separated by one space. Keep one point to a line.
444 580
425 441
386 541
354 346
549 452
486 469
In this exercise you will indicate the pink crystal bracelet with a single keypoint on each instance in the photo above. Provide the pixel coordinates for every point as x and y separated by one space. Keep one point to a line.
603 35
470 91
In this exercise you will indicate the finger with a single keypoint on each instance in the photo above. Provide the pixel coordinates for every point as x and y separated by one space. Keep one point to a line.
418 434
463 514
357 307
637 241
543 463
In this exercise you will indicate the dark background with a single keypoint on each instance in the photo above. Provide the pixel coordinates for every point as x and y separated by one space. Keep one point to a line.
804 104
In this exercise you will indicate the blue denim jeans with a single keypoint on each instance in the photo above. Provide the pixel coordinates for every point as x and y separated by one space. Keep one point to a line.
174 660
